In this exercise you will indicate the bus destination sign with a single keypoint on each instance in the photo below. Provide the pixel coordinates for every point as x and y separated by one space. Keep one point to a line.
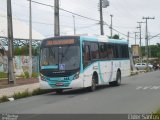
60 42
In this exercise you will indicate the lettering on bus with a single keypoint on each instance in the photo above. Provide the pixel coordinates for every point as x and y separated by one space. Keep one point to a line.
60 42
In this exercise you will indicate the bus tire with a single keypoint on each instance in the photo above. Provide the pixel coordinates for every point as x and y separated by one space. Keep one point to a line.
92 88
118 80
59 91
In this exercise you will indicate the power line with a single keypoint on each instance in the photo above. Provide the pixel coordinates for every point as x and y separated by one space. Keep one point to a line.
78 15
118 31
154 36
65 10
39 22
75 15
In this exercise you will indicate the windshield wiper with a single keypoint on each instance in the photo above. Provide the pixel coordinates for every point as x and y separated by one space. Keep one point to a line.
63 54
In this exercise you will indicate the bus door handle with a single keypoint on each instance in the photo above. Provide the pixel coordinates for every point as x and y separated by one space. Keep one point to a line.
95 67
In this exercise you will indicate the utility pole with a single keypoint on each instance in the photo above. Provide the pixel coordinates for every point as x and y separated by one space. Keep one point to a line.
149 45
128 35
11 77
136 37
101 18
146 39
111 26
74 24
140 31
30 38
56 18
140 38
102 4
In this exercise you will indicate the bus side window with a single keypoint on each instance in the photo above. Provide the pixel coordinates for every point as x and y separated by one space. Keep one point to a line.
110 51
86 55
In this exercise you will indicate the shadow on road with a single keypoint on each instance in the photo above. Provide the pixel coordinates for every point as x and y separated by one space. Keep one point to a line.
83 90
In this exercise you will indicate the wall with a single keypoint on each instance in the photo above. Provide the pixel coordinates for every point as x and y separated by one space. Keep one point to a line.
21 64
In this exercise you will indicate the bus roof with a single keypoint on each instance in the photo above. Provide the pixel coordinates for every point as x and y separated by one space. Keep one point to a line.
92 38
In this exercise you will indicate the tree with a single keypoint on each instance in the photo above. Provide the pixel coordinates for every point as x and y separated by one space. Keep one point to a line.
25 50
17 50
114 37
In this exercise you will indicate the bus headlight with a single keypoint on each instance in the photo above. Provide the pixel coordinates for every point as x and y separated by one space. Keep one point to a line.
76 76
43 78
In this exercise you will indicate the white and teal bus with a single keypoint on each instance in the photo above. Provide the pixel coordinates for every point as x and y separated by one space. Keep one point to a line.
69 62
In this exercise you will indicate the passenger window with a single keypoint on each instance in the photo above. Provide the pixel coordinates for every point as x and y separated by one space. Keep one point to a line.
94 51
86 55
103 51
110 51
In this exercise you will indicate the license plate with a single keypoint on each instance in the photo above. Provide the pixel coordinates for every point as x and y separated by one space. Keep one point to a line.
59 84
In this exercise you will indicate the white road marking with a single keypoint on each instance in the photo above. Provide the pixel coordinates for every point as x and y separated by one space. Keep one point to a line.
148 87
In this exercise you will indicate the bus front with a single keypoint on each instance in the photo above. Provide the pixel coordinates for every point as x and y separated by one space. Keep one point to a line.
60 63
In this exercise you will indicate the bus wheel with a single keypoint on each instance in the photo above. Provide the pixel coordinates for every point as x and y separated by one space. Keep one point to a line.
93 86
118 80
59 91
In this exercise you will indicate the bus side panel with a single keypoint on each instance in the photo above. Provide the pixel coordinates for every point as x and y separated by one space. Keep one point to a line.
109 70
87 76
105 72
88 73
123 65
126 68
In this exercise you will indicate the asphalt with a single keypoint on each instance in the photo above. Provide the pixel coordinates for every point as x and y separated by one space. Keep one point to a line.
137 94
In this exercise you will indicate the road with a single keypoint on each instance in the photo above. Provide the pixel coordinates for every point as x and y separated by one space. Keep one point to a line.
137 94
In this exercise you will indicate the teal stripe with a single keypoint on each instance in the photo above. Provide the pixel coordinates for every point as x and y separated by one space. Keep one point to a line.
86 38
118 41
101 78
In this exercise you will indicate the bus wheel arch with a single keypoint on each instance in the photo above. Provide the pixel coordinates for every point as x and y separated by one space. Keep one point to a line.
95 74
118 77
117 82
94 82
119 71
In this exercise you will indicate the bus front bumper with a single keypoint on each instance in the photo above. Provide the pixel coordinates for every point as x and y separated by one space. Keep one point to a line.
77 83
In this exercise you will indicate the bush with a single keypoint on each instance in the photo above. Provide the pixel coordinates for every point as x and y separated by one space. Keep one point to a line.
148 69
21 95
34 75
26 74
3 75
4 99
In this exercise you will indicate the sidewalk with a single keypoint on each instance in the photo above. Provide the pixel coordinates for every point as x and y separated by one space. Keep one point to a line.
9 91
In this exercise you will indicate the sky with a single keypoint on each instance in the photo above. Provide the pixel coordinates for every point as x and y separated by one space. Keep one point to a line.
126 14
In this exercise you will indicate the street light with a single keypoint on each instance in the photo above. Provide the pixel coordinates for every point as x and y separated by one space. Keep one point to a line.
103 4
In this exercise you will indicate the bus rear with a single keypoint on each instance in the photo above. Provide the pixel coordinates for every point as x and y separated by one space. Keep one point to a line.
60 63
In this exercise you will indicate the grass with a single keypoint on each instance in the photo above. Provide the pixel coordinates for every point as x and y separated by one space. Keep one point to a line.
21 94
39 91
4 99
3 75
156 115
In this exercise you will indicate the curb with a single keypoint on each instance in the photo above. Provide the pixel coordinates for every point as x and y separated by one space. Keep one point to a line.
18 89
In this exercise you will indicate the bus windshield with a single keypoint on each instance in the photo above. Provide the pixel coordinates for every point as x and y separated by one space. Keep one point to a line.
61 57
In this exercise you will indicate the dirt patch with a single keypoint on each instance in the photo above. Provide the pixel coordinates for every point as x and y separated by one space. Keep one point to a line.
19 81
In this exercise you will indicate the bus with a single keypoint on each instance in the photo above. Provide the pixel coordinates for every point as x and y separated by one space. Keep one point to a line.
69 62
